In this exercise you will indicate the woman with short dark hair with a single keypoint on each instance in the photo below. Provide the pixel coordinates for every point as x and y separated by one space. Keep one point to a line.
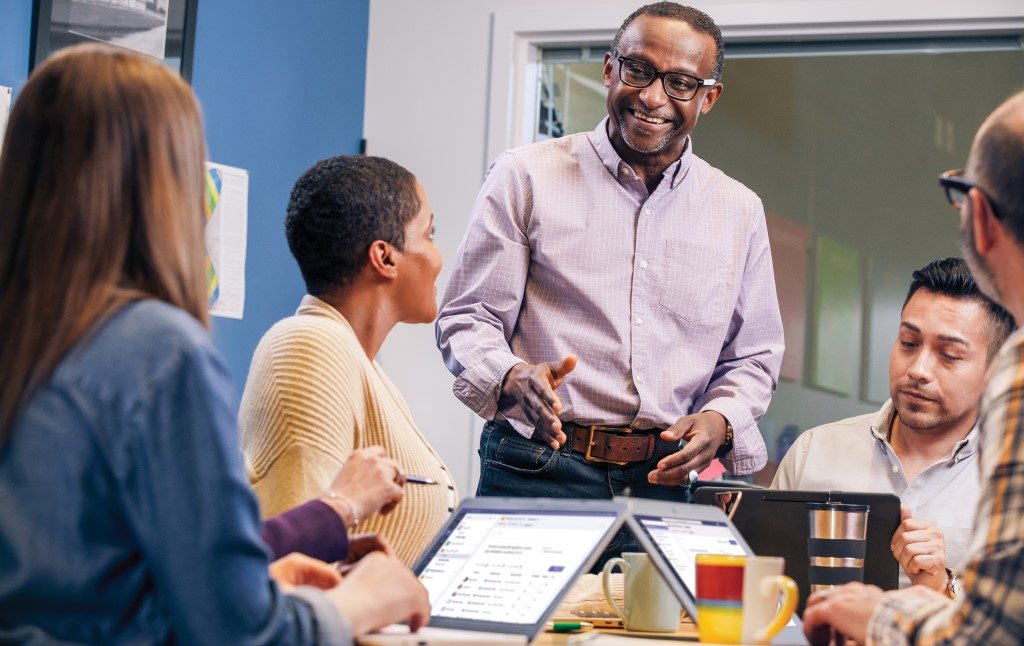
361 230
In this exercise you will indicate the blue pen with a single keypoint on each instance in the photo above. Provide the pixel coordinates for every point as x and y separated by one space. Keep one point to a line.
415 479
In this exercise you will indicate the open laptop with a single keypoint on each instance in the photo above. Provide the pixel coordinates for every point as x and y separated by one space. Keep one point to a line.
673 533
775 523
499 567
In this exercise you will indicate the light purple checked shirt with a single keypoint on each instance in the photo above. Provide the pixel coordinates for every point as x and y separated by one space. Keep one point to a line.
667 299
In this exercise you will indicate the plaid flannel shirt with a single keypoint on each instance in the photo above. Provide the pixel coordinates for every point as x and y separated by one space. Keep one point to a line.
991 608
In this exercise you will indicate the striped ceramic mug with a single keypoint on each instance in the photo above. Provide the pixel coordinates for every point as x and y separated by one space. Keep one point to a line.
738 598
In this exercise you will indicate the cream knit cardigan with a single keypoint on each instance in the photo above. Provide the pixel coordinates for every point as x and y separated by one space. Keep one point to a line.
312 397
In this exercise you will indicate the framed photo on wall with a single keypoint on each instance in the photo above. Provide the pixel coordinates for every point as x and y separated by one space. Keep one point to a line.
163 29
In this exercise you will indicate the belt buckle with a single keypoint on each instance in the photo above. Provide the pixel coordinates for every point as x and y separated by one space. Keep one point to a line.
590 446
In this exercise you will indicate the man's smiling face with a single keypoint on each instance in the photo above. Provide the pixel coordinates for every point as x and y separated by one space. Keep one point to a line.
645 122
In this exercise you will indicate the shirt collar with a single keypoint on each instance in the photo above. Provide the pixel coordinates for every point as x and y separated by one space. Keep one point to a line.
675 173
883 422
967 446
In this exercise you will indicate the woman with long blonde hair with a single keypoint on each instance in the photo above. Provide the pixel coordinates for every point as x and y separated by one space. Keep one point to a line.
125 513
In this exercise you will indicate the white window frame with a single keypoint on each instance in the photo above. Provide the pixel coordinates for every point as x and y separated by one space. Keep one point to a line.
520 34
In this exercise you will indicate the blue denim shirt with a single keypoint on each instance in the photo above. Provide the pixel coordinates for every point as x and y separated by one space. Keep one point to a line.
125 513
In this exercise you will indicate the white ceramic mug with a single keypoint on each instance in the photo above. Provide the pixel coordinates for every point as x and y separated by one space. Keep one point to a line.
649 603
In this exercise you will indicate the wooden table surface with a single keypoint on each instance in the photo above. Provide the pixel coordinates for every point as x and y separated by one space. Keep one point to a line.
687 631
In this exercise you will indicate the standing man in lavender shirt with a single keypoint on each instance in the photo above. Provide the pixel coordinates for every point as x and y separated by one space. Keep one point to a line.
612 309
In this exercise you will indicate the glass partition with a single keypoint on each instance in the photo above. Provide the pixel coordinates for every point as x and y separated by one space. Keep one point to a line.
843 142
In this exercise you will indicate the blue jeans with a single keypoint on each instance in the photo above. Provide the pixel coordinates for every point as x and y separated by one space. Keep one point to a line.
512 465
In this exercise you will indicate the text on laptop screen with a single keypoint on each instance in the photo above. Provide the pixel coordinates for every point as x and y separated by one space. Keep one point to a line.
508 567
681 540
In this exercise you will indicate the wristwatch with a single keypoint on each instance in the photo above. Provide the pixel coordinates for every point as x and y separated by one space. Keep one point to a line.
727 442
951 581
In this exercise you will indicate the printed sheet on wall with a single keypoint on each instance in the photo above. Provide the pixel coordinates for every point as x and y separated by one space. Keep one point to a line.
5 108
227 218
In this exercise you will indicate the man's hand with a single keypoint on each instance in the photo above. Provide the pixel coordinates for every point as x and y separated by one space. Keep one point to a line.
846 610
371 481
704 433
919 547
380 591
360 545
533 388
299 569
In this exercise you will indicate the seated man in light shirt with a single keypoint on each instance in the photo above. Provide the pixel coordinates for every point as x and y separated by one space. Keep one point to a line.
923 444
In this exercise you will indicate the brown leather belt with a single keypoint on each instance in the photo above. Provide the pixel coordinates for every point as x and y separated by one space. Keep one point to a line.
619 445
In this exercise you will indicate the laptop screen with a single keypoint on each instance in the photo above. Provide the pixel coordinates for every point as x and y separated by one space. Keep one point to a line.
510 567
680 540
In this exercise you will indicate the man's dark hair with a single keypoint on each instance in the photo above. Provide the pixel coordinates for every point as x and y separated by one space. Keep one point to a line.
700 21
951 277
338 208
1000 169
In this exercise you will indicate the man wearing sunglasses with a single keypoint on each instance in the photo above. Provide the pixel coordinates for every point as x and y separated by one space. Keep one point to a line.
614 296
989 194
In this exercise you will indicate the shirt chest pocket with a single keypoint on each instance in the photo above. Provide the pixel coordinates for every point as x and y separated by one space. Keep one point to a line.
695 283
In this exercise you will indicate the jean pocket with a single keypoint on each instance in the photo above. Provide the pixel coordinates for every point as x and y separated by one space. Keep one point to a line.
519 455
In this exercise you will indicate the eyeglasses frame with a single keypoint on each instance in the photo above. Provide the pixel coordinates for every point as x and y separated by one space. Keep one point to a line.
953 180
658 74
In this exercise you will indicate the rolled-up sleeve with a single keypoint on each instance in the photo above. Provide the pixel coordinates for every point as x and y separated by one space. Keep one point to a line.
482 301
747 371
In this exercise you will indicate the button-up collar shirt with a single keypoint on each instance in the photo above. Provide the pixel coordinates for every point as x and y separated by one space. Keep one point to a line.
667 298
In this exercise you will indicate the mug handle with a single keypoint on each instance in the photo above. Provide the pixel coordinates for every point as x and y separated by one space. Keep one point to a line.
608 567
786 586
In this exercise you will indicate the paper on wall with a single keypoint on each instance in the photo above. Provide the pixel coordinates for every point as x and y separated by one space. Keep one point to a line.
5 108
227 202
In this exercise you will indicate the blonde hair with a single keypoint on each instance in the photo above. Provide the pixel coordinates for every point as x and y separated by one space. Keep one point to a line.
101 191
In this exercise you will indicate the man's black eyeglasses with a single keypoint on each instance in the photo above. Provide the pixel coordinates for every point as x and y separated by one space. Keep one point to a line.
637 73
957 188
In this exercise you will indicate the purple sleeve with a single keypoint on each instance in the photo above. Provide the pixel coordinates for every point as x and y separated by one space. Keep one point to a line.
313 529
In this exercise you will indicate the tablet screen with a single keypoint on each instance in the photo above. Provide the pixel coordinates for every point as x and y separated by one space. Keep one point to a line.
680 540
510 567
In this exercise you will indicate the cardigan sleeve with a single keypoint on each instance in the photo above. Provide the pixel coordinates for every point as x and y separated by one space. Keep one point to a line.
302 411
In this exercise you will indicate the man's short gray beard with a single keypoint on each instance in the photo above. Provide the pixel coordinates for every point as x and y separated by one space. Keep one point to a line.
658 146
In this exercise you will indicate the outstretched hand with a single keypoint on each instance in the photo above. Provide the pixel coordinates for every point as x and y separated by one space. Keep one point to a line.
532 386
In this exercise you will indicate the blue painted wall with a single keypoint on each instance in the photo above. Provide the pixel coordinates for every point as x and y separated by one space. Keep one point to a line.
281 85
15 39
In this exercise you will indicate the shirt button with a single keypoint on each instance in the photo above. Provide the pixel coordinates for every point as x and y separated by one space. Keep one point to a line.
895 469
643 264
647 211
639 379
639 320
